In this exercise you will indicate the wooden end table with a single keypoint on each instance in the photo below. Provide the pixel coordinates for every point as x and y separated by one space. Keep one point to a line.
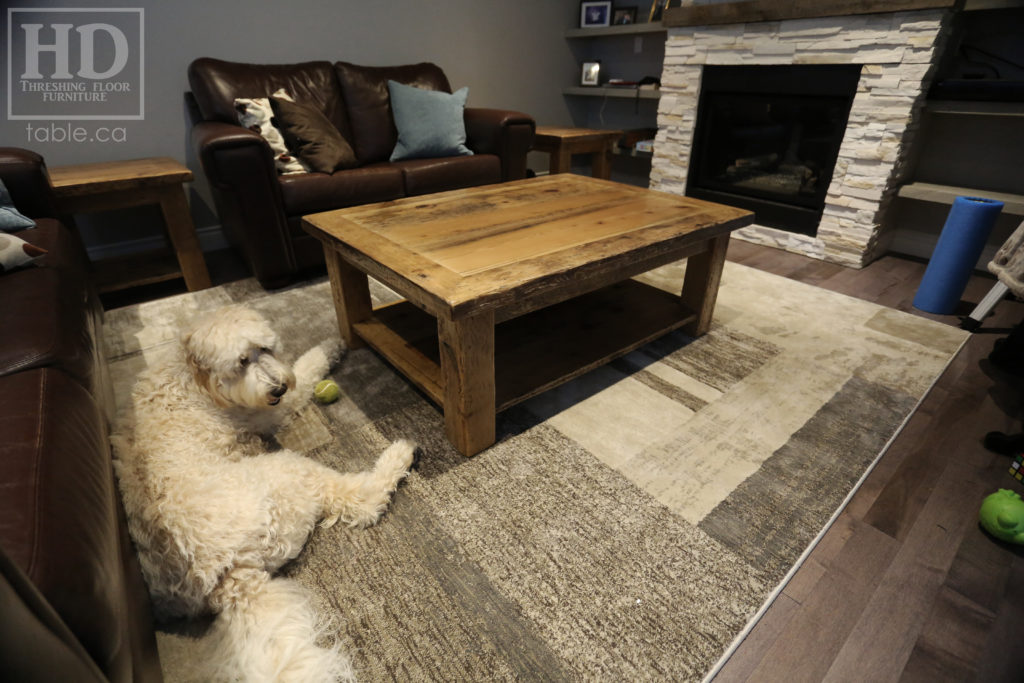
562 143
512 289
86 188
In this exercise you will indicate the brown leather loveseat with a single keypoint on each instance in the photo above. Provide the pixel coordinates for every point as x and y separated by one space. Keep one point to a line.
261 211
73 603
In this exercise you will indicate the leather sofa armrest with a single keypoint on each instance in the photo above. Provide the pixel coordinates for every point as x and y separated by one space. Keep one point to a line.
509 134
240 168
211 137
24 175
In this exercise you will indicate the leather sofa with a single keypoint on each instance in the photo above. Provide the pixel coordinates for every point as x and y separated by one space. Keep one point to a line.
261 211
73 603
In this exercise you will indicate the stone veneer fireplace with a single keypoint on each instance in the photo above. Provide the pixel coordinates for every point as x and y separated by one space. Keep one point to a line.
897 53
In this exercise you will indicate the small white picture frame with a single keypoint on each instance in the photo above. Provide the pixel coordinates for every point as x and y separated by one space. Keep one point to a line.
595 14
591 74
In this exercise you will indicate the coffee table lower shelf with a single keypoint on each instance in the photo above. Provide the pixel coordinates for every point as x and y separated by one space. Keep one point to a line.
537 351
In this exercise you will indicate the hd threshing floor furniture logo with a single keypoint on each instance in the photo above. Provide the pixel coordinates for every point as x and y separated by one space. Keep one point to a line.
75 64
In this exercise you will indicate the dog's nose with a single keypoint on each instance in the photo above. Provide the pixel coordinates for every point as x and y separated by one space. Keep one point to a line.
278 392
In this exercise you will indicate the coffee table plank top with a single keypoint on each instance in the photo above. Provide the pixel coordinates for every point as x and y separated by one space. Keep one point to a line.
467 250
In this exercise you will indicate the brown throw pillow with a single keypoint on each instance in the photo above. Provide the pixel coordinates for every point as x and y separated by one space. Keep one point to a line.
312 136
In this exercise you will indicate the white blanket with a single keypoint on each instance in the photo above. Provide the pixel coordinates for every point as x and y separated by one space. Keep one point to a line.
1008 263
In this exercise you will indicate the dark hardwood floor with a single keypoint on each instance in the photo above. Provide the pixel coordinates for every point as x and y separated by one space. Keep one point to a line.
905 585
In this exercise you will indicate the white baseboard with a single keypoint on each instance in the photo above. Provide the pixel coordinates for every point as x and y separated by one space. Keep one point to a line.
211 238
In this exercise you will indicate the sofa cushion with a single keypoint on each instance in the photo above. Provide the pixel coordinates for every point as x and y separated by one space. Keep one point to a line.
10 217
217 83
424 176
58 509
26 179
256 114
53 309
64 250
35 644
16 252
322 192
430 123
365 92
311 136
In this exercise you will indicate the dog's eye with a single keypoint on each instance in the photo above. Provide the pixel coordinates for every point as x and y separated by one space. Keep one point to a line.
243 361
265 349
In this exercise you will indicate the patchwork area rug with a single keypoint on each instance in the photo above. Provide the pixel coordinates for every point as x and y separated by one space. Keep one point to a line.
627 525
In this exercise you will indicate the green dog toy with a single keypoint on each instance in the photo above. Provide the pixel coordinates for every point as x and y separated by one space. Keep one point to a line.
1002 515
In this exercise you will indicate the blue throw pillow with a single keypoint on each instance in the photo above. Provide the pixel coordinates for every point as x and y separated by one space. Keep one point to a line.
430 123
10 217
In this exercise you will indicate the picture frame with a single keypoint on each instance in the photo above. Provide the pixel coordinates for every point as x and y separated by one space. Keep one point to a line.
595 13
622 16
590 76
658 8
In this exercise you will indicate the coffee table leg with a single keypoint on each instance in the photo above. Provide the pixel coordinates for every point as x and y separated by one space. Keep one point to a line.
350 289
467 369
700 287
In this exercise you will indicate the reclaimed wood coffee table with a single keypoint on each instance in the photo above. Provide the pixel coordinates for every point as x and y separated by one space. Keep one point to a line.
512 289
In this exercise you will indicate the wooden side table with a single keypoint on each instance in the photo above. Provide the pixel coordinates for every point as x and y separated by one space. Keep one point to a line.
86 188
562 143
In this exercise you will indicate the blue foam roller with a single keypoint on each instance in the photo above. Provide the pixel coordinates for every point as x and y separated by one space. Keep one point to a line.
959 247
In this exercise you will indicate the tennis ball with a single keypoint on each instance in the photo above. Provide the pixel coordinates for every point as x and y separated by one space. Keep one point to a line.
326 391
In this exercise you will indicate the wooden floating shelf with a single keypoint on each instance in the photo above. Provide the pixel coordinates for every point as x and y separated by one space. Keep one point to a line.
756 11
537 351
620 30
602 91
945 194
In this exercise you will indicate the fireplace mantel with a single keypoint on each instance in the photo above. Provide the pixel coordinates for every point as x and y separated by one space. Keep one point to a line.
752 11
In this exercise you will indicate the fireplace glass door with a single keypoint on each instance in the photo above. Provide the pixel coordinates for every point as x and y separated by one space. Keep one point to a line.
767 139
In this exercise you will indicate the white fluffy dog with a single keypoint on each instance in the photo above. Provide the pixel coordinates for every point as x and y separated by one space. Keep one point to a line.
213 514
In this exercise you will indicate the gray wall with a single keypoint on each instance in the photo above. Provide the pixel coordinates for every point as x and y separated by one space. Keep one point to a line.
510 54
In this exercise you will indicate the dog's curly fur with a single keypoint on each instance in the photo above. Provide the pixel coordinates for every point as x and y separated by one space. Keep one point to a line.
213 514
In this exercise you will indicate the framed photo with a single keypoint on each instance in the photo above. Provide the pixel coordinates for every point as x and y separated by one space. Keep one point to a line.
623 15
658 9
595 14
591 74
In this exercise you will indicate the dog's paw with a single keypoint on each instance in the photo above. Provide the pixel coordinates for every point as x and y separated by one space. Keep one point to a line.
399 457
333 350
316 363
